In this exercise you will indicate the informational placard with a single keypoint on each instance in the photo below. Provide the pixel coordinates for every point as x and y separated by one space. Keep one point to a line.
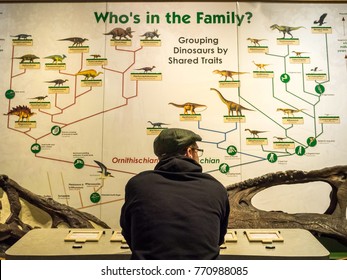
264 236
230 236
82 236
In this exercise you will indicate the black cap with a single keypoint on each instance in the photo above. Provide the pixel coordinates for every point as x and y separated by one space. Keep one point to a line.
172 140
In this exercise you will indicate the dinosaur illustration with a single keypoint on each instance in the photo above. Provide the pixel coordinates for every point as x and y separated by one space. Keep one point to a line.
77 41
57 82
227 73
255 41
254 133
91 73
321 21
23 112
285 29
146 69
260 66
315 69
151 34
280 138
56 58
289 111
39 98
232 106
157 124
27 57
298 53
188 107
22 36
95 56
121 33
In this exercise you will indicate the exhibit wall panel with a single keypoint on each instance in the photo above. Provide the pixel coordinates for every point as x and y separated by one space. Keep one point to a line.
88 85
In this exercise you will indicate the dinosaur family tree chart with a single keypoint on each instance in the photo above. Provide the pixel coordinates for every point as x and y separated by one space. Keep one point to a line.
85 91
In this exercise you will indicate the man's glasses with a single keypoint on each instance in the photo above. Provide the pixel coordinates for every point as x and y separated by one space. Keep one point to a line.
200 152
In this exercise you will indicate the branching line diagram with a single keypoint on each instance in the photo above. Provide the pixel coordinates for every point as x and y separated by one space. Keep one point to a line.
310 99
61 108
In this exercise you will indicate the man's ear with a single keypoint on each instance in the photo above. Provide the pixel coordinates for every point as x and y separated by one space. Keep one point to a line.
189 153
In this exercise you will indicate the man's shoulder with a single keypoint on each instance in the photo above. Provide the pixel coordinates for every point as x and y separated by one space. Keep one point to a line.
210 177
141 176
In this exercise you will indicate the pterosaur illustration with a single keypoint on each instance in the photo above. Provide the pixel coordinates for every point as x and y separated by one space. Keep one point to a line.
104 173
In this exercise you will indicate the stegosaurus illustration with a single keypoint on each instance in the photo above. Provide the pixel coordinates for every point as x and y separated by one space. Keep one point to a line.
23 112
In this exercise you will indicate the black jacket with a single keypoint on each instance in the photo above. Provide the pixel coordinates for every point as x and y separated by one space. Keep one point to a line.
174 212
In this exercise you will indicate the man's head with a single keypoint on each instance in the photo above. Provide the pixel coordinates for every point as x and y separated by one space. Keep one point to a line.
176 141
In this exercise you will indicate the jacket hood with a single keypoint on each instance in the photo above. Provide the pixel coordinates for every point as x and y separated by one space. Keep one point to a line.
178 164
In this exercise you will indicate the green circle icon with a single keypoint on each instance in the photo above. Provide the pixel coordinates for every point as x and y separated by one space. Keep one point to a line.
10 94
285 78
320 89
35 148
224 168
78 163
300 150
311 141
95 197
272 157
232 150
56 130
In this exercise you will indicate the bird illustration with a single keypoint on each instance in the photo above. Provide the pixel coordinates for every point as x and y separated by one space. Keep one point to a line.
104 173
320 22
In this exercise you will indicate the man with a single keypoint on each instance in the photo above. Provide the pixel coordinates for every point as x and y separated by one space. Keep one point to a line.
175 211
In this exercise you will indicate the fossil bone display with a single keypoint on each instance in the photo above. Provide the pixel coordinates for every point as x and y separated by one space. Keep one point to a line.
332 223
62 215
243 214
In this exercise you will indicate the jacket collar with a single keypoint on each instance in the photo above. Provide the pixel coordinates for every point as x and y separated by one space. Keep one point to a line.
178 164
